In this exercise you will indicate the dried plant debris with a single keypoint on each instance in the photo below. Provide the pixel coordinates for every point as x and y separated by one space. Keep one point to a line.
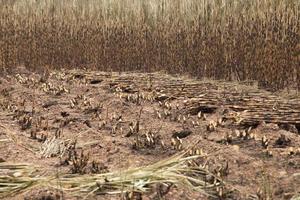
212 126
79 162
55 147
265 142
173 170
98 167
121 117
149 140
176 143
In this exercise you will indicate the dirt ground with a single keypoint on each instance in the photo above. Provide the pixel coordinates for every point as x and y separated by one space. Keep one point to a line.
97 109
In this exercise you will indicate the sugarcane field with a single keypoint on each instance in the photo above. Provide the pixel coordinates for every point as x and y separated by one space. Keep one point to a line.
150 100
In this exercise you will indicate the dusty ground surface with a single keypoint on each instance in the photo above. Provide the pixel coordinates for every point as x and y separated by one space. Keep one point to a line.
87 107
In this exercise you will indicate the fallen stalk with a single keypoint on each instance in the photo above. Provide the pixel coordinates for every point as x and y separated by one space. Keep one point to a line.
19 178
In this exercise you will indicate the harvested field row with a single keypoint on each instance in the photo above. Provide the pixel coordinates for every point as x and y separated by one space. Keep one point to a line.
74 128
254 105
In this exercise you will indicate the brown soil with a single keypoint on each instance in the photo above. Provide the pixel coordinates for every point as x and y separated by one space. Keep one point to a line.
251 166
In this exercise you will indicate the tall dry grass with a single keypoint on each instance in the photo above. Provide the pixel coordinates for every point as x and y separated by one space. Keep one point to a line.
222 39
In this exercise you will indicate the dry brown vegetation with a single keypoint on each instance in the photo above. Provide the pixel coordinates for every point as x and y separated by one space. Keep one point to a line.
104 135
89 108
220 39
